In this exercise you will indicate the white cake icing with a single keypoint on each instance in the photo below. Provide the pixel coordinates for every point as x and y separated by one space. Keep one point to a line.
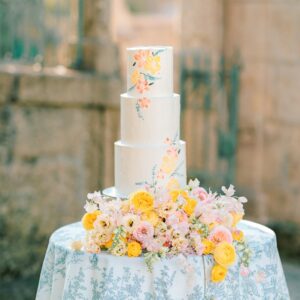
149 166
151 123
150 154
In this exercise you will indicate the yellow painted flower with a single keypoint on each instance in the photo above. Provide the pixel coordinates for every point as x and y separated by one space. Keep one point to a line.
150 216
135 77
89 218
175 194
168 164
142 201
173 184
134 249
238 235
209 246
189 206
236 218
224 254
152 64
218 273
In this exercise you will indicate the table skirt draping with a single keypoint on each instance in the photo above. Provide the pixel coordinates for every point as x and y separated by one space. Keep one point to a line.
68 274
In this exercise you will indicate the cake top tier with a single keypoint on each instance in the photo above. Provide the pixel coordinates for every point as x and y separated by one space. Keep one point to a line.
150 71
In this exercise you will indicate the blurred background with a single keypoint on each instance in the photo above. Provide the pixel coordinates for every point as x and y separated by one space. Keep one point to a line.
62 68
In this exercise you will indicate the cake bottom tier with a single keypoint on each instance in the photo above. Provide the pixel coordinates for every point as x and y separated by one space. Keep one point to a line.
144 166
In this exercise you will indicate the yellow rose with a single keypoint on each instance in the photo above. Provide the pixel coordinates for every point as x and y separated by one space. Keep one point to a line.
152 64
89 218
236 218
238 235
218 273
168 164
173 184
142 201
209 246
224 254
151 217
135 77
134 249
189 206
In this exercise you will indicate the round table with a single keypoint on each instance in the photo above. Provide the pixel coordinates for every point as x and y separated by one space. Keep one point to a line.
69 274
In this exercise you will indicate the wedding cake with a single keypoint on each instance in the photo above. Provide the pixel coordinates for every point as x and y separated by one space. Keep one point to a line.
150 154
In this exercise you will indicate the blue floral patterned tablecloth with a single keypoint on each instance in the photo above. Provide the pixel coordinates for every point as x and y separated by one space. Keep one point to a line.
75 275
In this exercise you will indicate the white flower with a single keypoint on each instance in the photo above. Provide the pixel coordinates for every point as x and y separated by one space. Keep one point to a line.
194 183
130 222
95 197
104 224
228 192
90 207
243 199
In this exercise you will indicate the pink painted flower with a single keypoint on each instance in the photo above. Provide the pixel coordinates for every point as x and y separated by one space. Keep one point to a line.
144 232
144 102
172 151
244 271
141 57
142 85
220 234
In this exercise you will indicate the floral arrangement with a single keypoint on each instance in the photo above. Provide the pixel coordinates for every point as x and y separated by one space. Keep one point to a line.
189 221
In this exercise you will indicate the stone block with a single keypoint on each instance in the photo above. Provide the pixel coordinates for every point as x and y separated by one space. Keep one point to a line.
6 85
246 28
283 85
283 37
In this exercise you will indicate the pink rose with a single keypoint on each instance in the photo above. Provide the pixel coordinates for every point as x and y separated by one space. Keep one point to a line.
200 193
220 234
144 232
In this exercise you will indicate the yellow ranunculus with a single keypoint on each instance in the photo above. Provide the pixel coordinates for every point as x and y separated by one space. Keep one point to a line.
142 201
152 64
89 218
134 249
238 235
236 218
189 206
135 76
209 246
150 216
218 273
224 254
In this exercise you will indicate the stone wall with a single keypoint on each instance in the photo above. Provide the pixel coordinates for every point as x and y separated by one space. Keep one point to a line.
57 134
265 34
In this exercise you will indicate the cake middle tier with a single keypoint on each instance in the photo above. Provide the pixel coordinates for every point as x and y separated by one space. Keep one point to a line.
149 166
149 120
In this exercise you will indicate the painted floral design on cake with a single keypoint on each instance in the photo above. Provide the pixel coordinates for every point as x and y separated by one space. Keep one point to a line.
147 67
167 172
141 105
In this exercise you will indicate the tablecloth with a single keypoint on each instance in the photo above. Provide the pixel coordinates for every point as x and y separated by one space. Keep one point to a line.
68 274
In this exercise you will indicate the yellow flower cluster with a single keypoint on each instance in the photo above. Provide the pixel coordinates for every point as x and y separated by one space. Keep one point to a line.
89 218
142 201
224 255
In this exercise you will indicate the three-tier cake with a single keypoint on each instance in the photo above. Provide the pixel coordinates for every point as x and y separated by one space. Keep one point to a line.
150 154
